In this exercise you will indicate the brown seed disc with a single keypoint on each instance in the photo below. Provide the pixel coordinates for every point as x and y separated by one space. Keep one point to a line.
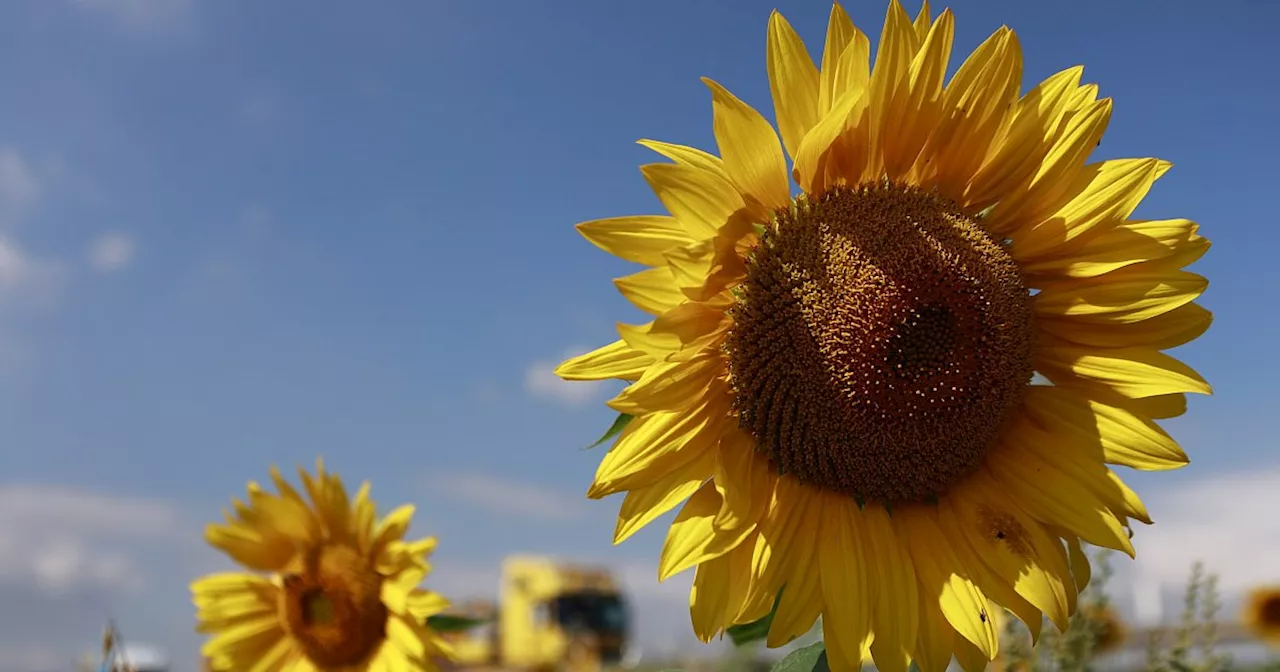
881 339
333 607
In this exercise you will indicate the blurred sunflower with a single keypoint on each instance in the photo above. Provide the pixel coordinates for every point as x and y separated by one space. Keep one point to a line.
1262 613
1110 632
342 591
840 382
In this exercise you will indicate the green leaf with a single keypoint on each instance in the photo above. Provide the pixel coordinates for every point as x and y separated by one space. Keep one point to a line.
446 623
615 429
812 658
755 630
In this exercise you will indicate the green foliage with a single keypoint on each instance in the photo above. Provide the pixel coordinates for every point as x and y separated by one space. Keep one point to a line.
812 658
1193 648
755 630
447 623
619 424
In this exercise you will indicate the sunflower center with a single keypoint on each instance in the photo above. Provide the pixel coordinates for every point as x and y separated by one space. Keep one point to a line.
333 607
880 341
1270 612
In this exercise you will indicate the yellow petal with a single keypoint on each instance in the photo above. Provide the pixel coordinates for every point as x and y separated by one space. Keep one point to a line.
800 603
918 105
801 600
640 238
1050 496
642 505
970 657
842 557
1048 187
692 539
816 164
656 443
742 569
743 478
701 201
669 386
1158 407
709 597
752 156
652 290
1132 294
688 156
855 71
1010 543
892 68
616 360
775 549
1126 244
642 338
973 109
691 321
1021 146
249 548
1132 372
1104 195
921 25
1082 462
1174 328
943 579
705 269
997 588
793 79
1079 564
933 645
893 584
1121 436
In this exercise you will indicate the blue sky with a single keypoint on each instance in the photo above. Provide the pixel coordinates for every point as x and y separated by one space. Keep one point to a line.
237 233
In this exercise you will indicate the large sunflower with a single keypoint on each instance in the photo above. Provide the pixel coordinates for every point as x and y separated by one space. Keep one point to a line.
840 382
342 590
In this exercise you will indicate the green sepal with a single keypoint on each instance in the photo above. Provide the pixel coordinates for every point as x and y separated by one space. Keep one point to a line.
755 630
447 623
812 658
615 429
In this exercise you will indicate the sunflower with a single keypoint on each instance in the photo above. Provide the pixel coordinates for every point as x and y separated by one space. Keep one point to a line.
1109 630
838 379
341 590
1262 613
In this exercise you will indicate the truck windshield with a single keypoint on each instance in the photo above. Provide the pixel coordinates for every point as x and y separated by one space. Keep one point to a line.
597 612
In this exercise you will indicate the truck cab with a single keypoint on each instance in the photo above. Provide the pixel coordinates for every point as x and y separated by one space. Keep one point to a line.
550 615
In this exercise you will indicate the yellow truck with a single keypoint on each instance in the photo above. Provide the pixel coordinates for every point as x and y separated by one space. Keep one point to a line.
549 615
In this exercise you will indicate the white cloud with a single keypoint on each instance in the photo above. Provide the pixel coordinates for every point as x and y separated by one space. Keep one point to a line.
19 186
510 498
1228 521
540 380
61 539
70 559
142 15
111 252
22 276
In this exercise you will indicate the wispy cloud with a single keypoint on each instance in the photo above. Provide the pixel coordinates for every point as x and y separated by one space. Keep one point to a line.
60 538
20 188
1227 521
149 16
24 277
541 381
69 558
111 252
506 497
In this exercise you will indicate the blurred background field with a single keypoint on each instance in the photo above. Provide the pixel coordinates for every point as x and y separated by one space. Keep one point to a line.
556 616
